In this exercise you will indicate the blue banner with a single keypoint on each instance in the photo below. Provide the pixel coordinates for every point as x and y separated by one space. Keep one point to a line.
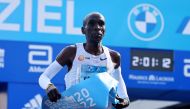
84 95
144 24
27 63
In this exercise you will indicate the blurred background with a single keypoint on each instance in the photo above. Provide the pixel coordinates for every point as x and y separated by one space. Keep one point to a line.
152 37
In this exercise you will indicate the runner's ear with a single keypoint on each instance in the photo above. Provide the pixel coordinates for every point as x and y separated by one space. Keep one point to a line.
83 30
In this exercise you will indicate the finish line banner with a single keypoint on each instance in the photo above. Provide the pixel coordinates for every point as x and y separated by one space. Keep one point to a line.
140 23
97 92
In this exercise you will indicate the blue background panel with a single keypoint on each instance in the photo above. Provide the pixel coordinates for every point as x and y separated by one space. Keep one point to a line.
16 61
118 32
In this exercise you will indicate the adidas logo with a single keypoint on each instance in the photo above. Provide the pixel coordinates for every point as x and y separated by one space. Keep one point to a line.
34 103
184 28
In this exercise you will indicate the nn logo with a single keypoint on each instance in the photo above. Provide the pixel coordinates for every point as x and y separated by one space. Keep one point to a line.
34 103
184 28
39 57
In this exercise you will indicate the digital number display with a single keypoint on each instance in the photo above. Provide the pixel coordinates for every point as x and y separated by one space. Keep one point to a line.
151 59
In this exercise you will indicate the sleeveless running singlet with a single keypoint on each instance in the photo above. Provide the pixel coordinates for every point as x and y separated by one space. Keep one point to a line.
85 65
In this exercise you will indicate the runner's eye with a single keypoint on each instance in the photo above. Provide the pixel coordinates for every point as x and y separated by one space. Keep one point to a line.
101 22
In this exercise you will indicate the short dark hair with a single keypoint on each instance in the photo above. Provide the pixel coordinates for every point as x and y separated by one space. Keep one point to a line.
90 14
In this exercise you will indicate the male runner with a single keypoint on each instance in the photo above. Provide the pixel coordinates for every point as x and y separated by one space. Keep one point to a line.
81 57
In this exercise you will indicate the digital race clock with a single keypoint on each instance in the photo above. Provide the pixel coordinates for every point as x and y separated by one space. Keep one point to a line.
151 59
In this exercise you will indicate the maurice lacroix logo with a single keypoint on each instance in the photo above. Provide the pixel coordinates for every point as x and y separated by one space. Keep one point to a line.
151 79
2 55
145 22
39 57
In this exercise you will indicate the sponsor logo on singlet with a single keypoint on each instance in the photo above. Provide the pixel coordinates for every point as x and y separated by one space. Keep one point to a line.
89 70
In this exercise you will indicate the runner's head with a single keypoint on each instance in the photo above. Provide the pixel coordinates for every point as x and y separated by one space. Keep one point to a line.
94 27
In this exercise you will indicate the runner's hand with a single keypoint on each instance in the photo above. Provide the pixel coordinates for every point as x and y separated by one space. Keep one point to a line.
53 93
123 102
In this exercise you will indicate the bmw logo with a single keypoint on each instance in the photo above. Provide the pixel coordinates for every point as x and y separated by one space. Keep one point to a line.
145 22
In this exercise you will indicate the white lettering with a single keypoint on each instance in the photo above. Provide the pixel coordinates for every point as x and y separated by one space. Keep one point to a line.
28 16
168 79
138 77
35 69
70 29
13 4
151 78
2 55
43 16
186 67
42 19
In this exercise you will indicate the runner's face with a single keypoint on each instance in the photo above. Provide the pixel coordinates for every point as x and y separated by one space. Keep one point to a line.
94 28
